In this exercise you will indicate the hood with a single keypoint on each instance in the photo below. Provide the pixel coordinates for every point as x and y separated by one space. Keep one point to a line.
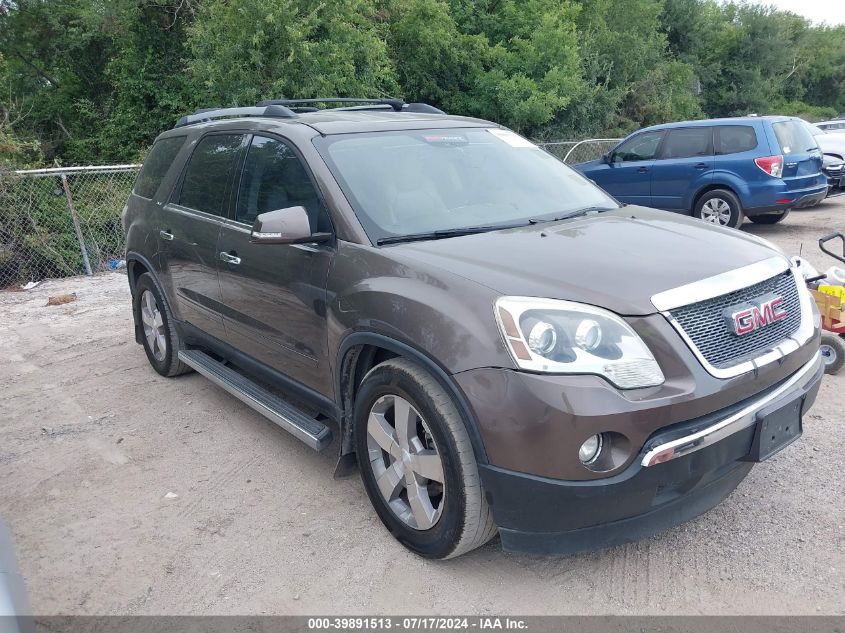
616 259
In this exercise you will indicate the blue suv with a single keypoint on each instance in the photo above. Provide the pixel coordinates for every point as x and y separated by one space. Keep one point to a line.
719 170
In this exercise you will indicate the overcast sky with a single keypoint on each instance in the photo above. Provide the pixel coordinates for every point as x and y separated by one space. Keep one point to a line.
830 11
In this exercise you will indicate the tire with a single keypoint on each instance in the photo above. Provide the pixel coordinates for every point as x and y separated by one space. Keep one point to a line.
833 352
450 517
159 336
720 207
769 218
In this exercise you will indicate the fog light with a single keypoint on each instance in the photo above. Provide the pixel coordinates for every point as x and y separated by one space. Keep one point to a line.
590 449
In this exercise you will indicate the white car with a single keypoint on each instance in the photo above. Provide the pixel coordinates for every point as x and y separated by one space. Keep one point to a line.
832 126
831 142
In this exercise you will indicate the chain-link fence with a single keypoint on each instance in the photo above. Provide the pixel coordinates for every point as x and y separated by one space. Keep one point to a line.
572 152
66 221
61 222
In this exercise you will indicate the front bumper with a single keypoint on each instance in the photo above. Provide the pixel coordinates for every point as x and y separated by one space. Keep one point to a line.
552 516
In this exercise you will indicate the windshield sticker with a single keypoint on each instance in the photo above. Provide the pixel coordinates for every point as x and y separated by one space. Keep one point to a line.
512 139
445 139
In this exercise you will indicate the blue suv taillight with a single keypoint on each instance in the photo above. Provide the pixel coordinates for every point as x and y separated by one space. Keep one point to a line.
772 165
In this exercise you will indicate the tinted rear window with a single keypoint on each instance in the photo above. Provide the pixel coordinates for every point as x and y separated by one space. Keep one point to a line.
209 173
688 142
732 139
156 166
794 137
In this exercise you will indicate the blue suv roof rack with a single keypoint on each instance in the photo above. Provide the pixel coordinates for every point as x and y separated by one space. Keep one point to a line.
209 114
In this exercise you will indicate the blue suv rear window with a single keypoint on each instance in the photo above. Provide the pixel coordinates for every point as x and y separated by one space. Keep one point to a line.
794 137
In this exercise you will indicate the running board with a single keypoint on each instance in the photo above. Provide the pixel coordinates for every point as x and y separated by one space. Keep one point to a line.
313 432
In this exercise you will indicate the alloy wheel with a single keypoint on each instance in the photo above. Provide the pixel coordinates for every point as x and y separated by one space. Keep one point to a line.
828 354
153 323
405 462
716 211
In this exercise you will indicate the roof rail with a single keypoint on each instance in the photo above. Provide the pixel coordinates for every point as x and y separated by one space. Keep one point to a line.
397 105
267 110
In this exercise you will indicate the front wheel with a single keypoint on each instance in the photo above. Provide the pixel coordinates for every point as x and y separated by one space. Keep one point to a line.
833 352
720 207
769 218
417 462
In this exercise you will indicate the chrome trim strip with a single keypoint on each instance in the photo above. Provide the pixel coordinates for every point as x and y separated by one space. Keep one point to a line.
719 285
803 334
734 423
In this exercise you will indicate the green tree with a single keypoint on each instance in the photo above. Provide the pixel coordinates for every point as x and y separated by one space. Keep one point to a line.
246 50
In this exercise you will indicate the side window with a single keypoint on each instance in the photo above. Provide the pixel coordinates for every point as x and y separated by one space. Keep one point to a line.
732 139
155 167
209 173
688 143
275 178
641 147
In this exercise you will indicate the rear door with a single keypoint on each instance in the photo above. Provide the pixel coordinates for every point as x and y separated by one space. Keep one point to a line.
191 224
802 158
685 163
628 175
274 295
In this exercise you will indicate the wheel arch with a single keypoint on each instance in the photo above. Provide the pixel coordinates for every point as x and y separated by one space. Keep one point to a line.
713 186
361 351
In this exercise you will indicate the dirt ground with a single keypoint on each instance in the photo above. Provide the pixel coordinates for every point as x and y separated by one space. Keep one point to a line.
129 493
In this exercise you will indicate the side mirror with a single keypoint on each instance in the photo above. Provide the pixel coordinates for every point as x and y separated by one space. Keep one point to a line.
605 158
285 226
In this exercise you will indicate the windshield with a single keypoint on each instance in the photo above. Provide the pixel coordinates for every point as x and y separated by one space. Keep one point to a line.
419 181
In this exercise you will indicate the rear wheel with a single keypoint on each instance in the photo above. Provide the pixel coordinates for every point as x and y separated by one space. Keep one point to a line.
160 337
769 218
417 462
720 207
833 352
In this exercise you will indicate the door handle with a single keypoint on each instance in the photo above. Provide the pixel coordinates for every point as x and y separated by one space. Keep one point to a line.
166 235
642 170
701 166
230 258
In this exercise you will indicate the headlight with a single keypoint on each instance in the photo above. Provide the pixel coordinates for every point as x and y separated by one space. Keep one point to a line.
564 337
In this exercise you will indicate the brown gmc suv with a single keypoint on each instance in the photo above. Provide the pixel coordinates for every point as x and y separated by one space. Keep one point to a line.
497 343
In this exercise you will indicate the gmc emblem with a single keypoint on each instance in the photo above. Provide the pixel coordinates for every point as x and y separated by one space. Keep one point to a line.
750 317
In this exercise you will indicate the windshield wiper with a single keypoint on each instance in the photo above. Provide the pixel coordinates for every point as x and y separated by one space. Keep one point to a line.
571 214
444 233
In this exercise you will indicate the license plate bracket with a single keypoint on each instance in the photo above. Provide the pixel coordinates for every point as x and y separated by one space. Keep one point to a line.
778 425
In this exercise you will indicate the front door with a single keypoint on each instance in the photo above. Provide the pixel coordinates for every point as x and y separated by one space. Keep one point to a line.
191 224
628 174
274 295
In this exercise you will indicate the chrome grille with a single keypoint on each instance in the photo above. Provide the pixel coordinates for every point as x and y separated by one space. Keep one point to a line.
705 325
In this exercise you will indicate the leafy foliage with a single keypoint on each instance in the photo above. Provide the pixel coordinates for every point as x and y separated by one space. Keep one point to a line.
86 81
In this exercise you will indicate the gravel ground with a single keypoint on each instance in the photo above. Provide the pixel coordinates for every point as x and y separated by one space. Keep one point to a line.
129 493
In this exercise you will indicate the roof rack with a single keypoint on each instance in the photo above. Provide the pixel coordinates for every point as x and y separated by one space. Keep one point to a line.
265 110
397 105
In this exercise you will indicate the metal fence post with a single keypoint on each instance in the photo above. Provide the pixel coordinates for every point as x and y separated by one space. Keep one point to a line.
76 226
